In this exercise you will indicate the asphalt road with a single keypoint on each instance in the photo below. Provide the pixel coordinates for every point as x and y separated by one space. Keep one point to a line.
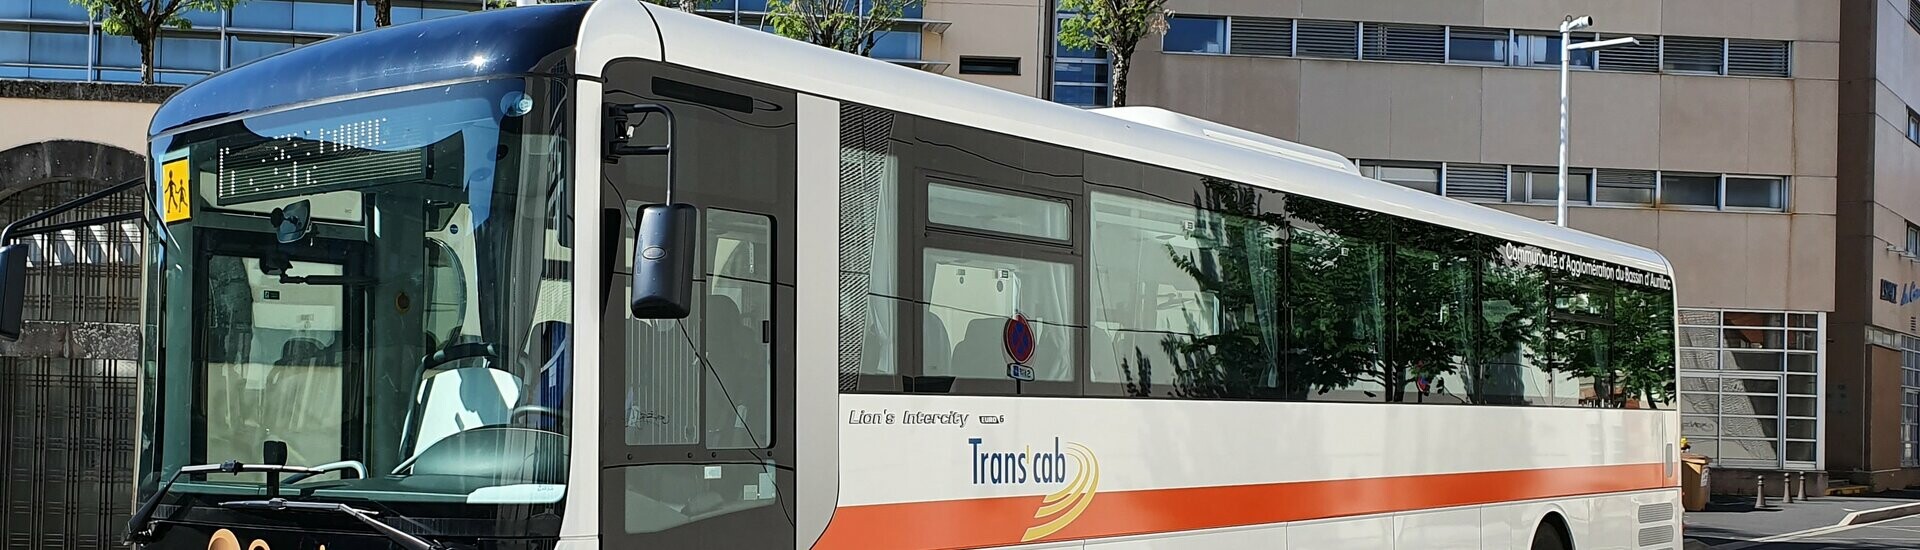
1901 533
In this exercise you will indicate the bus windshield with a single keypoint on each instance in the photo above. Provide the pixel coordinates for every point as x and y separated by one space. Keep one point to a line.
380 284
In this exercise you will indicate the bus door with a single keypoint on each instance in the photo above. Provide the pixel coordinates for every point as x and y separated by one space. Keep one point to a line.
697 449
281 350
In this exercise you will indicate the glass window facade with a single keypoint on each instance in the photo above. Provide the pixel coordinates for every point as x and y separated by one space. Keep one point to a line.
1750 386
1913 125
54 40
1477 45
1370 41
1910 401
1421 176
1542 185
1195 35
1081 78
1690 189
902 43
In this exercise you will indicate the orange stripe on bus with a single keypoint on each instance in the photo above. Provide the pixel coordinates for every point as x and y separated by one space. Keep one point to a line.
974 523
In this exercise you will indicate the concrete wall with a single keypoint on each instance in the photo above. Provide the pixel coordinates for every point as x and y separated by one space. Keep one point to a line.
1502 115
992 28
119 124
1888 162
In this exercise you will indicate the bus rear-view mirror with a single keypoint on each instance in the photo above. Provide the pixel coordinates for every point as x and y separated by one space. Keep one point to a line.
13 290
663 261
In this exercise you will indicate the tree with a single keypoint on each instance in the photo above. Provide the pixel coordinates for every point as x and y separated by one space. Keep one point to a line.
1115 27
144 19
837 24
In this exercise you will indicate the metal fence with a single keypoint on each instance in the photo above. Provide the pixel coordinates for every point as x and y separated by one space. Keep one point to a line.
68 387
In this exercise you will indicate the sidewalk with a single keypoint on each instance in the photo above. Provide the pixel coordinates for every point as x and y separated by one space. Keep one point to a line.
1730 520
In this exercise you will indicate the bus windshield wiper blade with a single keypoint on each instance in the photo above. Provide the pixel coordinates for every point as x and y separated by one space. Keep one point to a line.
405 540
138 529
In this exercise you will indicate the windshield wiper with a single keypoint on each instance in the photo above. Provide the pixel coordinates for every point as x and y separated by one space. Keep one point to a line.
139 529
405 540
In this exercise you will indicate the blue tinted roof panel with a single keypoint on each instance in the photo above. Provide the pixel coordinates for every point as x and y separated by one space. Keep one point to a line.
521 40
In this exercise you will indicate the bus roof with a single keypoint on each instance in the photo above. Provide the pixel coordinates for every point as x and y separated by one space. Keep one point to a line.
614 29
437 50
537 38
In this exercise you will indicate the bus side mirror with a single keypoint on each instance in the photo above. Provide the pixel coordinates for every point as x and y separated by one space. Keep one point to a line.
13 290
664 257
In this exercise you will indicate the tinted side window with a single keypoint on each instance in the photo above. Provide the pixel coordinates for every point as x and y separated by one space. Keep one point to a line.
1431 309
1512 322
1185 299
1337 292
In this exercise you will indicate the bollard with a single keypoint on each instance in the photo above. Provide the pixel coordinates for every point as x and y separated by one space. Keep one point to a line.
1786 487
1759 491
1801 487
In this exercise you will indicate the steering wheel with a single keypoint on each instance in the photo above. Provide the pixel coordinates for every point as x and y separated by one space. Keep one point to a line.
457 352
531 410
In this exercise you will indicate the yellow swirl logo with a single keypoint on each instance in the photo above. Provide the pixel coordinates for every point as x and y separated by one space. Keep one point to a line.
226 540
1026 466
1059 509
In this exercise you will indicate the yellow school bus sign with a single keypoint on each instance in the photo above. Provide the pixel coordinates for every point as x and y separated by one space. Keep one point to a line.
176 191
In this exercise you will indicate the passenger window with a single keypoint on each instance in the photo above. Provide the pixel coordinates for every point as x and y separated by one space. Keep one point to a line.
1576 346
972 208
730 330
1513 313
1337 283
738 347
1185 301
971 297
662 394
870 208
1432 324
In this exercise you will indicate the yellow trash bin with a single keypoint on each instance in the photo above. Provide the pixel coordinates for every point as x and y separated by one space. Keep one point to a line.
1693 481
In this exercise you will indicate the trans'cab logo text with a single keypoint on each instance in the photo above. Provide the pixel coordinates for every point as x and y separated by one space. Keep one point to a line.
1023 466
997 466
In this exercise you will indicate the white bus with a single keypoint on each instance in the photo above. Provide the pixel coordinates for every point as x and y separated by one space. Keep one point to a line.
392 301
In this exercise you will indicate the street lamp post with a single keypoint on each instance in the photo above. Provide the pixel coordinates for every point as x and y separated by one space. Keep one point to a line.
1567 47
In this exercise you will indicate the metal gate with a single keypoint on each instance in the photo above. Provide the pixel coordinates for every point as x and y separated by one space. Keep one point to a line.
68 387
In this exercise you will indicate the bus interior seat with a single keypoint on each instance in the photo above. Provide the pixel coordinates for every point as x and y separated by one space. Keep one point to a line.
936 356
982 352
1051 353
302 391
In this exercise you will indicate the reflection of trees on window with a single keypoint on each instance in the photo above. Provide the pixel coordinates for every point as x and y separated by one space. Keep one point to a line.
1575 345
1336 293
1251 294
1431 313
1235 262
1643 342
1512 319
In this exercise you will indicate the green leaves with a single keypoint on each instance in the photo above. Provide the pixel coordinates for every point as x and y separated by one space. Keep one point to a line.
834 23
143 20
1113 25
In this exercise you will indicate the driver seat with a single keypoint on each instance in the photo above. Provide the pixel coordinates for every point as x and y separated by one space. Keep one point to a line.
461 399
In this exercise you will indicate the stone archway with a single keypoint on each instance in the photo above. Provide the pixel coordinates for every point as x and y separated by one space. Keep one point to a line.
46 161
69 386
